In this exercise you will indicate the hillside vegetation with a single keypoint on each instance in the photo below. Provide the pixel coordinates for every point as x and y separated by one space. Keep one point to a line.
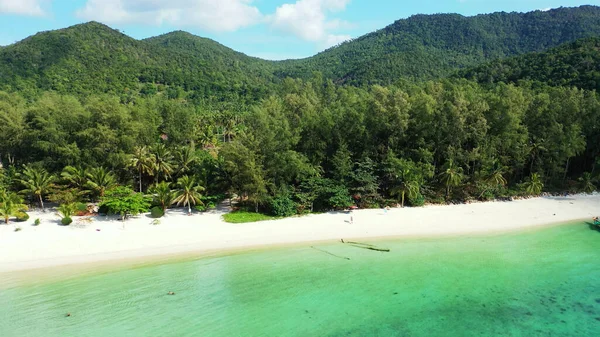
92 57
574 64
432 46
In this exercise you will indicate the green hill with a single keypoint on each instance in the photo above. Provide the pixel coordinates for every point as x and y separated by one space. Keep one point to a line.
573 64
92 57
432 46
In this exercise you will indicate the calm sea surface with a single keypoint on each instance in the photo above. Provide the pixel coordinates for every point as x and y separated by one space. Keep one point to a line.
536 283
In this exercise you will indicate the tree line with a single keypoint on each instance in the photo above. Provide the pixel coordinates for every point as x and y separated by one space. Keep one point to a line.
311 146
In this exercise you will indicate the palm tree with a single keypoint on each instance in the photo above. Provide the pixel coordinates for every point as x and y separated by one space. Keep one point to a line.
100 180
11 204
230 128
162 161
163 195
67 210
536 147
185 157
37 182
587 183
451 177
143 162
75 176
206 136
408 185
494 178
534 185
188 192
76 179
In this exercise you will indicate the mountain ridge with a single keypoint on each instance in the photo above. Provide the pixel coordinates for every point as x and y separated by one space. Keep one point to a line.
95 57
571 64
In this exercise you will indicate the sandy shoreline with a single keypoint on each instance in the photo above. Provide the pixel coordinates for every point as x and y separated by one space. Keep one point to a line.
50 245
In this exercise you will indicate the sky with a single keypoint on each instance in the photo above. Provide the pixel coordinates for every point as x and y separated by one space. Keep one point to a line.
271 29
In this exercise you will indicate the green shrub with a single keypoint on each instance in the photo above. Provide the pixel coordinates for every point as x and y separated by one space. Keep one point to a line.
18 229
103 209
22 217
487 195
200 208
283 206
340 200
37 222
157 212
80 209
417 201
67 210
66 221
211 202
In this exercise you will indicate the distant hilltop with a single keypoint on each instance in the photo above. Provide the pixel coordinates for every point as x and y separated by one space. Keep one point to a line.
93 57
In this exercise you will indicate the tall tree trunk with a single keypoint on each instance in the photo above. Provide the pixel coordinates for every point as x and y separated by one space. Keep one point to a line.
140 180
256 206
402 199
566 169
41 202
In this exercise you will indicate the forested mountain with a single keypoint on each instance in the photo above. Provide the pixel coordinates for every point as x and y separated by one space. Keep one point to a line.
432 46
574 64
91 57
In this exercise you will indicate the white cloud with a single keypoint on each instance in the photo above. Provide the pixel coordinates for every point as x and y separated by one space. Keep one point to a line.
22 7
212 15
308 20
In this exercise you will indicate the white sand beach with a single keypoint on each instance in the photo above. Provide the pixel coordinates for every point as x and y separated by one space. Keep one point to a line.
50 244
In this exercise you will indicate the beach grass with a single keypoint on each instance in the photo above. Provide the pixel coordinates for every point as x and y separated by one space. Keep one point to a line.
246 217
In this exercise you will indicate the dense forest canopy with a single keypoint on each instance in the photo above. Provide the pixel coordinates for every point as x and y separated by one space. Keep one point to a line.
574 64
432 46
91 58
86 109
447 139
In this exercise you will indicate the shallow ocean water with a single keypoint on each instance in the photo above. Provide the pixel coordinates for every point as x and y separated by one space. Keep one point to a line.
542 282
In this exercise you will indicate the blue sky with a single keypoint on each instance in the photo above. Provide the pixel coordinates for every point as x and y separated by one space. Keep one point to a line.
273 29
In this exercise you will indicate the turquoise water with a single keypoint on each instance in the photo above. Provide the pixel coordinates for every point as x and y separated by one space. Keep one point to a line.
537 283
